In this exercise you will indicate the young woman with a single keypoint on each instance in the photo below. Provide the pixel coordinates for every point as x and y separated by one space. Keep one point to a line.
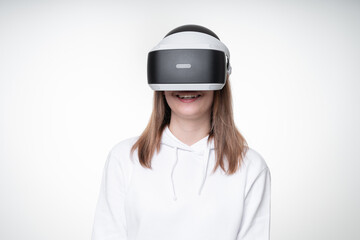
189 176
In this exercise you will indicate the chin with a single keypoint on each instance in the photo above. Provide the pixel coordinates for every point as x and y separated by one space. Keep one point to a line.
190 105
190 113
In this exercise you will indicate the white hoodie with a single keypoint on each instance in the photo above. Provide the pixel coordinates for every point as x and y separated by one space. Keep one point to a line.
180 198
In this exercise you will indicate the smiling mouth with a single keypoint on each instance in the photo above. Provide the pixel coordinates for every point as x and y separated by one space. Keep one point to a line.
188 96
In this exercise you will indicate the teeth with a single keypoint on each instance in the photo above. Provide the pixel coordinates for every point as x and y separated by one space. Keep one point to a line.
188 96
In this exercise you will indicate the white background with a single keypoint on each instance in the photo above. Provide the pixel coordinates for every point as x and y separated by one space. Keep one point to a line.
73 84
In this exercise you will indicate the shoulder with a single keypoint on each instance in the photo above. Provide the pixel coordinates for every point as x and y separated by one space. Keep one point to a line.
120 152
123 147
255 168
119 165
254 162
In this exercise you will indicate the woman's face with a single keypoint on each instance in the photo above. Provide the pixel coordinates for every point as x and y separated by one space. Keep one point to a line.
190 104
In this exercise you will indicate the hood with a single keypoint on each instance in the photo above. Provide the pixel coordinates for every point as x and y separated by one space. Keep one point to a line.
168 139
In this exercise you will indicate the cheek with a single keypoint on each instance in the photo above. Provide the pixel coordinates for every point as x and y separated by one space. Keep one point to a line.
169 99
209 102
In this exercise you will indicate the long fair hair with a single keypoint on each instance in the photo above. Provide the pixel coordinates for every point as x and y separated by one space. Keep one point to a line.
228 142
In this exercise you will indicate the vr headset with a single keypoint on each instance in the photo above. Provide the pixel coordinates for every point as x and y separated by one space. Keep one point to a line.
188 58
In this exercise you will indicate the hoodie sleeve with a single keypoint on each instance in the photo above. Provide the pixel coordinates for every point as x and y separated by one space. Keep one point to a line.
109 220
255 223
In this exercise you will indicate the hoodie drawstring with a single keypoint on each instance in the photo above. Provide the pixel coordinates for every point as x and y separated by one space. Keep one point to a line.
206 160
172 173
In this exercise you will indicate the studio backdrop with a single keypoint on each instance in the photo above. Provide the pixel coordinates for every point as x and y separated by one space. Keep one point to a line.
73 83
